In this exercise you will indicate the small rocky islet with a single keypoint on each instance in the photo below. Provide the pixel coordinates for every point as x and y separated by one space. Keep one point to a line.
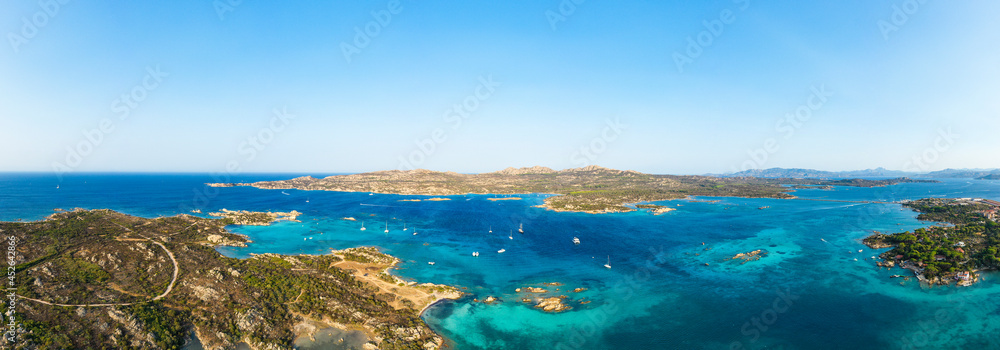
542 298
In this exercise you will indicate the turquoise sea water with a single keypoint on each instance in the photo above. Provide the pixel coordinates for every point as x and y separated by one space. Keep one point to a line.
807 293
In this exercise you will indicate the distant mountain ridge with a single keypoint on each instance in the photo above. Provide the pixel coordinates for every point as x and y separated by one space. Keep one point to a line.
811 173
963 173
796 173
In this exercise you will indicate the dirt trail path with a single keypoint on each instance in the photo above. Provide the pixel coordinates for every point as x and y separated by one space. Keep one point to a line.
170 287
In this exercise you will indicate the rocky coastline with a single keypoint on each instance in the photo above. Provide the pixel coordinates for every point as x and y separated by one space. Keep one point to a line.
944 254
255 218
152 282
591 189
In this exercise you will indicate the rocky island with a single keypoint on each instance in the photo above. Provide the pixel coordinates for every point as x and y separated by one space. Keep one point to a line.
243 217
591 189
545 301
102 279
655 209
749 256
945 254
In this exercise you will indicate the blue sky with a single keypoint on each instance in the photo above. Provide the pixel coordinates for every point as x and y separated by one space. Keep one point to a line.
559 84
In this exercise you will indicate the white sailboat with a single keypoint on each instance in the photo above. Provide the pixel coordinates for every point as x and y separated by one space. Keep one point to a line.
414 232
576 240
363 226
520 229
511 235
386 227
404 226
491 228
608 265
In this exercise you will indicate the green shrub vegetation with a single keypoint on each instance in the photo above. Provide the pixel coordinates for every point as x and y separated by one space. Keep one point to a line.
104 257
973 242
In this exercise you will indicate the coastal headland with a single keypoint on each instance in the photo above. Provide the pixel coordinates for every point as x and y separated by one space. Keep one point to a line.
99 278
251 218
945 254
591 189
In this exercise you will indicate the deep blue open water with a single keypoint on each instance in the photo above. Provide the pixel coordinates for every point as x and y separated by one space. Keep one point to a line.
807 293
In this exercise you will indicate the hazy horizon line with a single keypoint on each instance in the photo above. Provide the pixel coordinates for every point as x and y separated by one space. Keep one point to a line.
305 172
